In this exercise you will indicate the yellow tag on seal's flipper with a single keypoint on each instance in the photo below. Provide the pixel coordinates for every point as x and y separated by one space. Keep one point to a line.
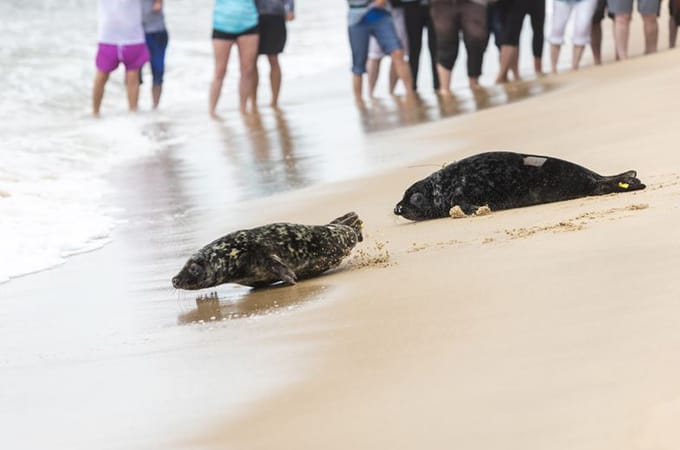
623 185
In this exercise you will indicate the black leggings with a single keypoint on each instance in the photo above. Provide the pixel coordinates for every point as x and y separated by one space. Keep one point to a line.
512 16
450 17
417 17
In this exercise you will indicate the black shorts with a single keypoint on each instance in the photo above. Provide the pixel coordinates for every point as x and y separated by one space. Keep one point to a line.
217 34
272 34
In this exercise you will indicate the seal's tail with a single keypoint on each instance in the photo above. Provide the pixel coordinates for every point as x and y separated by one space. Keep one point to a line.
351 220
622 182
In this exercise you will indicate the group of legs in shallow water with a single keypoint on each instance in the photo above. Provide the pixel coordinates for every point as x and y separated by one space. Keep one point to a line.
447 22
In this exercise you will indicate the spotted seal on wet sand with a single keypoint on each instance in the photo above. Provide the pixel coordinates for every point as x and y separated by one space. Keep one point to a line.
503 180
271 253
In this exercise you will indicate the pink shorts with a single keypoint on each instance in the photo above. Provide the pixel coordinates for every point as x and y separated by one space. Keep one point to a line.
132 56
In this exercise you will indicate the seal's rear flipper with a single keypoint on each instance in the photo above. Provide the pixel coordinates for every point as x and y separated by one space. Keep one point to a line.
274 264
622 182
351 220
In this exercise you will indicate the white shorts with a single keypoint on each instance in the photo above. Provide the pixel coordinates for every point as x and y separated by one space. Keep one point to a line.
374 50
583 11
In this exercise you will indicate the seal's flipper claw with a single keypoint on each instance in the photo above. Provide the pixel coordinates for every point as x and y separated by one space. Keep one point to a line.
468 209
280 269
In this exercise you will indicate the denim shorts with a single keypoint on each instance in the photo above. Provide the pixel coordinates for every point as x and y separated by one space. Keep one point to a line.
647 7
384 32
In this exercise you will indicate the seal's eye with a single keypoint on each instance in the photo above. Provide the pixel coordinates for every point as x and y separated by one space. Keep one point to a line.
417 200
195 270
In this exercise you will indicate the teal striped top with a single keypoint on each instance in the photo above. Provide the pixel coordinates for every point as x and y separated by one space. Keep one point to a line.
234 16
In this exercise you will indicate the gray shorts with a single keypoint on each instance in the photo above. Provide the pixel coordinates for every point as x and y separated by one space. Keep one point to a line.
645 7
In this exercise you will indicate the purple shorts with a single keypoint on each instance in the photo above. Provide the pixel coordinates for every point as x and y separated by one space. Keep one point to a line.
132 56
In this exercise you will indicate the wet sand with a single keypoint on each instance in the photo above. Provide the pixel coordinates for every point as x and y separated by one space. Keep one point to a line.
546 327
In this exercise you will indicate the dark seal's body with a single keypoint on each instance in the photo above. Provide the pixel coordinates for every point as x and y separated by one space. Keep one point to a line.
271 253
503 180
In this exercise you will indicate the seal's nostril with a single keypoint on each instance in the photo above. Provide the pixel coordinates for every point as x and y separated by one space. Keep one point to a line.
397 209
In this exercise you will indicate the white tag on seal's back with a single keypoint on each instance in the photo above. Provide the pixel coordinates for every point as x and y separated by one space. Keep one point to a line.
535 161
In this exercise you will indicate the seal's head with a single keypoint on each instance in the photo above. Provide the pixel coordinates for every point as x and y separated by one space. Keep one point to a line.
418 202
196 274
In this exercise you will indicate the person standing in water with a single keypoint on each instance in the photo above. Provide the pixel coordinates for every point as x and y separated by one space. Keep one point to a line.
375 53
368 18
273 34
417 18
121 39
156 41
234 22
582 11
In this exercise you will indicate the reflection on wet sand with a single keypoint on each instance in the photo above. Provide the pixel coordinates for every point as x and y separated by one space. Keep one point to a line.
380 115
255 302
263 147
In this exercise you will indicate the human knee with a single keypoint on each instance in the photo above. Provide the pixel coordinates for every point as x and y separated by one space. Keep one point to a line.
447 59
622 19
273 61
649 20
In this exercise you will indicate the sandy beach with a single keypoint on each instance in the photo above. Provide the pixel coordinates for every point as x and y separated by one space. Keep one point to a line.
548 327
544 327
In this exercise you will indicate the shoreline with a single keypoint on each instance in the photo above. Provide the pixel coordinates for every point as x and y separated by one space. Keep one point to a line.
353 358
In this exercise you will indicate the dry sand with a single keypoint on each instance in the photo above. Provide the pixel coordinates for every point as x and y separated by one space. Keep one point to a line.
549 327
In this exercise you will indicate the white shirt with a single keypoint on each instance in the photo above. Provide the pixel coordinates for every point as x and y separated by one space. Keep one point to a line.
120 22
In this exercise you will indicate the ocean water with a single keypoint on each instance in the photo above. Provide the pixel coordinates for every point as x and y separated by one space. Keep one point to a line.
54 156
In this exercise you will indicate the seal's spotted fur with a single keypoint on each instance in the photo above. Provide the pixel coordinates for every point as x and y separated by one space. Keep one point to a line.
271 253
503 180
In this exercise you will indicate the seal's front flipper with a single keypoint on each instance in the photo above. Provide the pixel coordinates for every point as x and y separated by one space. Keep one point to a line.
274 265
468 208
623 182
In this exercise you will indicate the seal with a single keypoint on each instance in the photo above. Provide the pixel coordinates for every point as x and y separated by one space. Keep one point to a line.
503 180
278 252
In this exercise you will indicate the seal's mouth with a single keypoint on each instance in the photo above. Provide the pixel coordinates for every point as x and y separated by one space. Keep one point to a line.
176 282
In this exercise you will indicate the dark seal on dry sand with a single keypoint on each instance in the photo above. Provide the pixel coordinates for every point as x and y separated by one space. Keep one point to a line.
271 253
503 180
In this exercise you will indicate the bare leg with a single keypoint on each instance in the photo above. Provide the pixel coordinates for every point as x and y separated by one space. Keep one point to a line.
372 70
404 72
651 28
672 32
473 82
444 80
132 85
275 78
508 56
596 43
394 78
100 80
576 56
247 52
256 83
621 32
357 88
221 49
554 56
514 67
538 66
156 91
